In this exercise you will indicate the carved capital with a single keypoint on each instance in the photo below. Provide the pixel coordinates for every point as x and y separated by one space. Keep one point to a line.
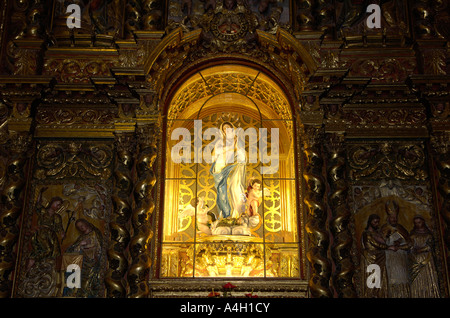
312 136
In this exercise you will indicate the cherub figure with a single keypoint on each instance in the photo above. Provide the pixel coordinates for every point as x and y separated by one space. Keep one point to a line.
204 216
254 196
251 218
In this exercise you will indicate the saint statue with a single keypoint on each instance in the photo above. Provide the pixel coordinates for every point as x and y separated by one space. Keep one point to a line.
396 260
228 169
423 276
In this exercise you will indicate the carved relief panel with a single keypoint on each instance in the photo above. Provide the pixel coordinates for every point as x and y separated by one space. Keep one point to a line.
394 223
66 220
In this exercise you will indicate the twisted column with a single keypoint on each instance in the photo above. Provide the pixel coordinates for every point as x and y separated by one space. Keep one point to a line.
11 207
147 136
340 217
318 236
122 204
305 18
132 18
153 11
440 142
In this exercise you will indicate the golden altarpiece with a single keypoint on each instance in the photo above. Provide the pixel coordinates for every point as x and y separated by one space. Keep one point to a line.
105 131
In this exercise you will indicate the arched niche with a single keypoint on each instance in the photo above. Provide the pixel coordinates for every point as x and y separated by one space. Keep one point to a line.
247 98
267 93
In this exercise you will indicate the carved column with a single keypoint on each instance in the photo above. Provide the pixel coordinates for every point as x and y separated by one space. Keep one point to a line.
423 18
318 236
11 205
340 216
325 14
122 203
133 16
305 18
152 15
440 142
147 138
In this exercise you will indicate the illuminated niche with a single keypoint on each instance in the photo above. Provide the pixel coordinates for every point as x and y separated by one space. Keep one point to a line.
258 236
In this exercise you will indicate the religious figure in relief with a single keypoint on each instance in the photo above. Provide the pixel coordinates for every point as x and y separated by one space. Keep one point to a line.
374 247
89 245
45 241
423 277
396 260
403 247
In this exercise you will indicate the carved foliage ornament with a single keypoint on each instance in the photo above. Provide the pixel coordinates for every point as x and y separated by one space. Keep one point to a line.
386 160
77 71
74 159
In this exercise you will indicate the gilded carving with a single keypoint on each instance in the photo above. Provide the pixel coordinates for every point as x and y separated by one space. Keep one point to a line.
73 159
440 146
67 223
431 19
393 221
388 211
4 114
189 14
141 218
68 116
77 70
435 62
385 118
387 160
237 82
12 199
67 220
24 61
384 70
315 226
340 219
122 209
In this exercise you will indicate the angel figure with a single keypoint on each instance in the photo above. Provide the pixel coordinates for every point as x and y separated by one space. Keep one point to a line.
89 244
251 218
254 196
204 215
45 241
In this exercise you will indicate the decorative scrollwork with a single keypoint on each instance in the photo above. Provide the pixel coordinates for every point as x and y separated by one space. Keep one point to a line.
387 160
74 159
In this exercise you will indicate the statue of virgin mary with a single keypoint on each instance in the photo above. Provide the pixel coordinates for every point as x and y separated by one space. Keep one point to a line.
228 171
